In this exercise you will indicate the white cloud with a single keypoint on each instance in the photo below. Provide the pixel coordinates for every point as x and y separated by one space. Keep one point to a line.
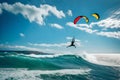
70 24
82 27
69 38
110 34
22 35
19 47
56 26
108 23
69 12
50 45
31 12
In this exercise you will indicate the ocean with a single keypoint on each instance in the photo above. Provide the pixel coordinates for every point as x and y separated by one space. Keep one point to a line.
28 65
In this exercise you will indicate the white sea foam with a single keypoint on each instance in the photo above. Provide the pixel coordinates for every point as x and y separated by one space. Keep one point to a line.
24 74
103 59
109 59
89 58
44 56
50 55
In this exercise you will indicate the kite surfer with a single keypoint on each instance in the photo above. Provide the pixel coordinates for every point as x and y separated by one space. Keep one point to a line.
72 43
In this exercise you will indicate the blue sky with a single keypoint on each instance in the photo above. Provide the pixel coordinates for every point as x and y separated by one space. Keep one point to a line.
47 25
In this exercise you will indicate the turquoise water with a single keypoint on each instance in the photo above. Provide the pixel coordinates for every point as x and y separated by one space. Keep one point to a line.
16 66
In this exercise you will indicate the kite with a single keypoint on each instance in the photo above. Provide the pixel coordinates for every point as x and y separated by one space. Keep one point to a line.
96 15
79 17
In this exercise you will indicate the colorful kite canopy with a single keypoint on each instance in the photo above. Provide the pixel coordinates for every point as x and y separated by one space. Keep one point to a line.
79 17
96 15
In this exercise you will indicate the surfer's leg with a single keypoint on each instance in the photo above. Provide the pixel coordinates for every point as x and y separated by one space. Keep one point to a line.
74 46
